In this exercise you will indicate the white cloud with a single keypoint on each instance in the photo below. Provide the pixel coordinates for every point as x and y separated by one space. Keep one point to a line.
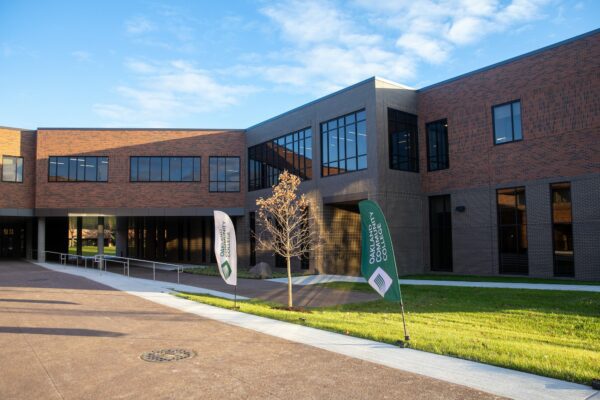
82 56
139 66
430 50
431 30
163 91
327 49
329 46
139 25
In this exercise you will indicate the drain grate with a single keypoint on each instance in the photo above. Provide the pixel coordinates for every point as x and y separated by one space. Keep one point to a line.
167 355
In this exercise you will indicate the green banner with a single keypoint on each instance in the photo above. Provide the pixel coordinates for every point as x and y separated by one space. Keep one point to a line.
378 264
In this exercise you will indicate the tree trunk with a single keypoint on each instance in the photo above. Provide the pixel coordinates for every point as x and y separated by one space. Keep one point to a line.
289 273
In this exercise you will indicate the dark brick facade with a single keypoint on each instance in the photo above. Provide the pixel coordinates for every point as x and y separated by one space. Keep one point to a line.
119 145
559 91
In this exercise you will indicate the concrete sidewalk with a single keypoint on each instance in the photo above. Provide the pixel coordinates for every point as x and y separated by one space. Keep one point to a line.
316 279
304 296
499 381
66 337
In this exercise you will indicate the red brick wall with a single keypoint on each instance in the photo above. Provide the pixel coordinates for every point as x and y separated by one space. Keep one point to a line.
559 91
119 145
15 142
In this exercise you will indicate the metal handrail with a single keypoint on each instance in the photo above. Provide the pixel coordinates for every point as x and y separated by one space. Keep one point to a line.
104 259
64 257
101 260
179 268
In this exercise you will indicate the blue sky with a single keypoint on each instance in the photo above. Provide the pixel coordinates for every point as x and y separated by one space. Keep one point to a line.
231 64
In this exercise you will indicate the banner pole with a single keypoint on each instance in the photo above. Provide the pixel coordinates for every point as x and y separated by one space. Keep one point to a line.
406 336
235 297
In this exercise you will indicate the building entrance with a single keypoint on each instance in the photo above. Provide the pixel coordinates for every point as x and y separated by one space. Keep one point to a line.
12 240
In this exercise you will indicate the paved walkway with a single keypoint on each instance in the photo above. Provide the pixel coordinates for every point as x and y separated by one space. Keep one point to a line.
315 279
304 296
66 337
499 381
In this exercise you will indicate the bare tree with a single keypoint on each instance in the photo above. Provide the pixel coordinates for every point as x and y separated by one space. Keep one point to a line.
285 222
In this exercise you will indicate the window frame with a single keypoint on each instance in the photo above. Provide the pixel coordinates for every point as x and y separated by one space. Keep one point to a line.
239 181
447 165
260 172
512 122
17 158
84 178
440 228
357 154
553 223
163 175
499 225
414 138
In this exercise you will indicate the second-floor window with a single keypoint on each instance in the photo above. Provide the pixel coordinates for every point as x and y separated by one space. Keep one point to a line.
224 174
507 122
404 145
437 145
12 169
78 169
164 169
344 144
291 152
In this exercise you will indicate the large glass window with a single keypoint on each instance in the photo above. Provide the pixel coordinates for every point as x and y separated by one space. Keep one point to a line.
507 122
344 144
292 152
164 169
440 233
437 145
12 169
403 137
512 231
562 229
224 173
78 169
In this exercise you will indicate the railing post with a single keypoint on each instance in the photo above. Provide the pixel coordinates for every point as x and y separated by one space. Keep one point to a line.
128 267
153 271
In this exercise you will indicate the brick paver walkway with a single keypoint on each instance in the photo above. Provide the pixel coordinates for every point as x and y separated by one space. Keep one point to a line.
66 337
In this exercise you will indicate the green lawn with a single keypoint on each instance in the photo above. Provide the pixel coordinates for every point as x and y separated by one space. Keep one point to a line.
211 270
551 333
93 250
511 279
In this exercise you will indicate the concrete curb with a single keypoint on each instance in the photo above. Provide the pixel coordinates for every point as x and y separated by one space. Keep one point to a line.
495 380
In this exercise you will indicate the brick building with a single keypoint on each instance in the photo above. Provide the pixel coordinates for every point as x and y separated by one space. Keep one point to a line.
493 172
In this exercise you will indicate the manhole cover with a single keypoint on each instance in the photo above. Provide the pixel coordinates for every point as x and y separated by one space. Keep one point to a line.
167 355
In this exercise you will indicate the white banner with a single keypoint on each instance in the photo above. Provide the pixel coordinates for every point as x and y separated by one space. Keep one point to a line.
225 247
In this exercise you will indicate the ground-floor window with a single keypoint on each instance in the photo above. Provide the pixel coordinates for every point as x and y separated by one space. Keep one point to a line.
440 233
512 231
562 229
171 239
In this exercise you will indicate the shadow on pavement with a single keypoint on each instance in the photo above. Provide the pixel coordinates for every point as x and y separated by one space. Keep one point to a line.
59 331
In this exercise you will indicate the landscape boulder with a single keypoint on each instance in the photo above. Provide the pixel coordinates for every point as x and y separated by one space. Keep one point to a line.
262 270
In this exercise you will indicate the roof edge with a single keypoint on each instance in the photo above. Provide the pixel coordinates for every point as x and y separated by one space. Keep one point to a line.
17 129
310 103
511 60
138 129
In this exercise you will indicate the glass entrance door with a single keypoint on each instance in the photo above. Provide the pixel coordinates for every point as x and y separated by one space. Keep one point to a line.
10 241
